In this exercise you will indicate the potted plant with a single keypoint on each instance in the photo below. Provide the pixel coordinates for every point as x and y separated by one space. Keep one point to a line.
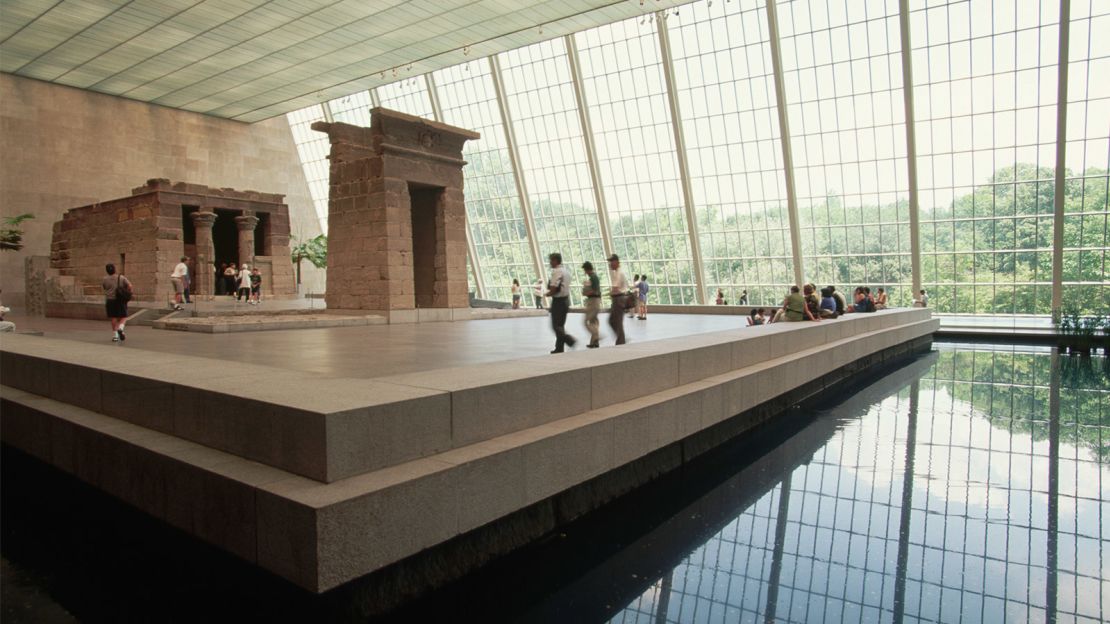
1077 332
315 250
11 235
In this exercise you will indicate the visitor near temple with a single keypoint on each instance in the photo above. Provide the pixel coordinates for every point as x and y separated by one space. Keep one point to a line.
117 292
618 294
558 288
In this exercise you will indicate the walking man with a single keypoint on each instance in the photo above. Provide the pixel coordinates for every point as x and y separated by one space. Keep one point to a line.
178 277
618 290
558 288
591 291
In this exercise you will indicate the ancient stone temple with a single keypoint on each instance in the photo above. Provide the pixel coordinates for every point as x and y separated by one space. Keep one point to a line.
396 219
145 235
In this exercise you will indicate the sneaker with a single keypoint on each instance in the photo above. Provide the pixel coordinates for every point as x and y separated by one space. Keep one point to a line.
122 336
116 337
178 307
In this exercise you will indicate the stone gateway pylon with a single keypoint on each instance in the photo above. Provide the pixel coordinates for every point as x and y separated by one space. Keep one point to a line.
396 218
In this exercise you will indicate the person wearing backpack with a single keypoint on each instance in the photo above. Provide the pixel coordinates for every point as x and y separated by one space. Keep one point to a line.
117 292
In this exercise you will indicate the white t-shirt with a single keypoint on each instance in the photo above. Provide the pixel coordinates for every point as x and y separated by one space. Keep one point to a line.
560 282
181 270
618 281
245 278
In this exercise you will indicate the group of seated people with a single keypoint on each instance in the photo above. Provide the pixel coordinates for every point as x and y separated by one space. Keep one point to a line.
804 305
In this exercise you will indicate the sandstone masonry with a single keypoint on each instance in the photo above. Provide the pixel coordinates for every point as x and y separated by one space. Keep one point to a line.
145 235
396 218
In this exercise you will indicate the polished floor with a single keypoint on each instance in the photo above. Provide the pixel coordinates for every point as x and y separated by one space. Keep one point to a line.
380 350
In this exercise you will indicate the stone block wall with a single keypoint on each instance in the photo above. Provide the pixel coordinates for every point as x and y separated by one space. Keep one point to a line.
131 233
144 236
401 173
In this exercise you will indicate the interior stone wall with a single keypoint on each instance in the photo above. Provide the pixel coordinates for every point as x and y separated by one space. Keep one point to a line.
63 147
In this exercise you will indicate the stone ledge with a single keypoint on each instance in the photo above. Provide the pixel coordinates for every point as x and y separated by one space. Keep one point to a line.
352 426
321 535
265 322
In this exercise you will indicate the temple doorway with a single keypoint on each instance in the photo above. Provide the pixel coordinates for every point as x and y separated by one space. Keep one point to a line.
424 202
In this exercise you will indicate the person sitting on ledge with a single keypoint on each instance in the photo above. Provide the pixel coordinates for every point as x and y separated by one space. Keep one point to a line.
828 303
755 317
794 308
881 300
863 303
921 300
809 291
841 304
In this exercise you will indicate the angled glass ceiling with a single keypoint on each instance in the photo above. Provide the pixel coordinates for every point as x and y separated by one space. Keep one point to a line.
253 59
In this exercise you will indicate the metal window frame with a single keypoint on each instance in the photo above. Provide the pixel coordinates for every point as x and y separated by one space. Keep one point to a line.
1061 154
911 144
514 159
588 140
787 152
667 61
471 250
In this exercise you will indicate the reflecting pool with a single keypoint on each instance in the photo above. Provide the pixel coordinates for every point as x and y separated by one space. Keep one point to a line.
973 491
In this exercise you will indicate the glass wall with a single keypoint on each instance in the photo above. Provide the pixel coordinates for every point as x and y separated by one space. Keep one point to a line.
552 153
1086 233
985 98
353 109
408 96
313 149
842 69
985 91
622 77
726 95
492 205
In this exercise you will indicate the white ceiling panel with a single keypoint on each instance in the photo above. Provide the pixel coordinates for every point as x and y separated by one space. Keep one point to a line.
254 59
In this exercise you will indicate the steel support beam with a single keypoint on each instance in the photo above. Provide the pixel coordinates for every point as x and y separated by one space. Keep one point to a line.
1061 153
911 145
374 101
326 107
591 149
680 151
787 152
471 250
514 158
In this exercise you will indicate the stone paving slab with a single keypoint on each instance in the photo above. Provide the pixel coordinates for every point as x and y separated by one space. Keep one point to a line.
224 324
320 535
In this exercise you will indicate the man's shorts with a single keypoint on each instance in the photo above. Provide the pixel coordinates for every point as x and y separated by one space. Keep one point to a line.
178 285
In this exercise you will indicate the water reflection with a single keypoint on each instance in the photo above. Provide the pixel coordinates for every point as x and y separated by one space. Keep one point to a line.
972 491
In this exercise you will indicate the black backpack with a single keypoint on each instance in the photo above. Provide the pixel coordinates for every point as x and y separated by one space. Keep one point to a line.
123 293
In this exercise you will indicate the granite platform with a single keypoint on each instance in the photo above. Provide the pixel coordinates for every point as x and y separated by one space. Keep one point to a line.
323 478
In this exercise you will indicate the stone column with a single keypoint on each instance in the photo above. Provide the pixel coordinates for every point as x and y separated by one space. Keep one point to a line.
246 224
206 253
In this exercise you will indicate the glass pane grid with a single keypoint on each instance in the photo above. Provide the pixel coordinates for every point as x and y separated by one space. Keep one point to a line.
492 203
985 103
726 94
553 154
623 80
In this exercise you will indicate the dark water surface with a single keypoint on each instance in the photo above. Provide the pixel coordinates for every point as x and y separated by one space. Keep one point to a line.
968 485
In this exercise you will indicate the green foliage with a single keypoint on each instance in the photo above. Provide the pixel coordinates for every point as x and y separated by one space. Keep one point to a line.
988 251
1013 390
11 235
315 250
